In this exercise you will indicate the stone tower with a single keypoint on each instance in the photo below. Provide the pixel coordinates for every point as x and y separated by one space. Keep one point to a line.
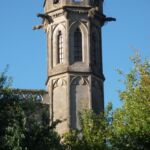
74 57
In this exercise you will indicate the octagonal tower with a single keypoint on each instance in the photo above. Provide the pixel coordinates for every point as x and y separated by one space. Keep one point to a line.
74 53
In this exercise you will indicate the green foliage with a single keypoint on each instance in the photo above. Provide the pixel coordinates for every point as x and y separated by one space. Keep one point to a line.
128 127
94 133
42 137
20 129
5 81
12 117
12 123
131 122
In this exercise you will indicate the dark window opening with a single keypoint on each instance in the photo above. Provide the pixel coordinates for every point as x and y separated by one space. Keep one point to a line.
60 53
77 45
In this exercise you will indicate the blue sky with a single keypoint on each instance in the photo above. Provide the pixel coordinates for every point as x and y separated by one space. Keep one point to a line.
25 50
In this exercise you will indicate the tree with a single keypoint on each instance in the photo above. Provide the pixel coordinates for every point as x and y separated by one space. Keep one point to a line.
131 122
126 128
18 131
5 81
42 137
95 131
12 117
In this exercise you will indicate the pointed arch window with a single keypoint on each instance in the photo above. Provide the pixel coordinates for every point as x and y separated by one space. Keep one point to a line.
77 45
60 52
93 48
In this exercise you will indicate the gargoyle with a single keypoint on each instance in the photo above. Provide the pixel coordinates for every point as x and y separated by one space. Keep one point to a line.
107 19
45 17
38 27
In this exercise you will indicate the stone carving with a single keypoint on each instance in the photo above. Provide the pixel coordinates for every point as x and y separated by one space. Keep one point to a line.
45 17
60 25
46 20
59 82
38 27
79 80
58 14
82 24
92 12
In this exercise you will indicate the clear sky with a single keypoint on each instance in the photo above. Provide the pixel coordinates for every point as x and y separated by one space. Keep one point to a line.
25 50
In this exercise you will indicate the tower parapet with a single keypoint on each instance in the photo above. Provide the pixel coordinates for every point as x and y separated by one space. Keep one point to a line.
51 5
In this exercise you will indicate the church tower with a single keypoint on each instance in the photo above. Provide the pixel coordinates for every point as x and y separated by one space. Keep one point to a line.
74 56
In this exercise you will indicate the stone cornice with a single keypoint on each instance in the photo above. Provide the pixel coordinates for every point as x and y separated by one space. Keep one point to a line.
100 76
69 7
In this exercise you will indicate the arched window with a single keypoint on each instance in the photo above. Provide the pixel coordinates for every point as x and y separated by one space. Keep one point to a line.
60 52
77 45
93 48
